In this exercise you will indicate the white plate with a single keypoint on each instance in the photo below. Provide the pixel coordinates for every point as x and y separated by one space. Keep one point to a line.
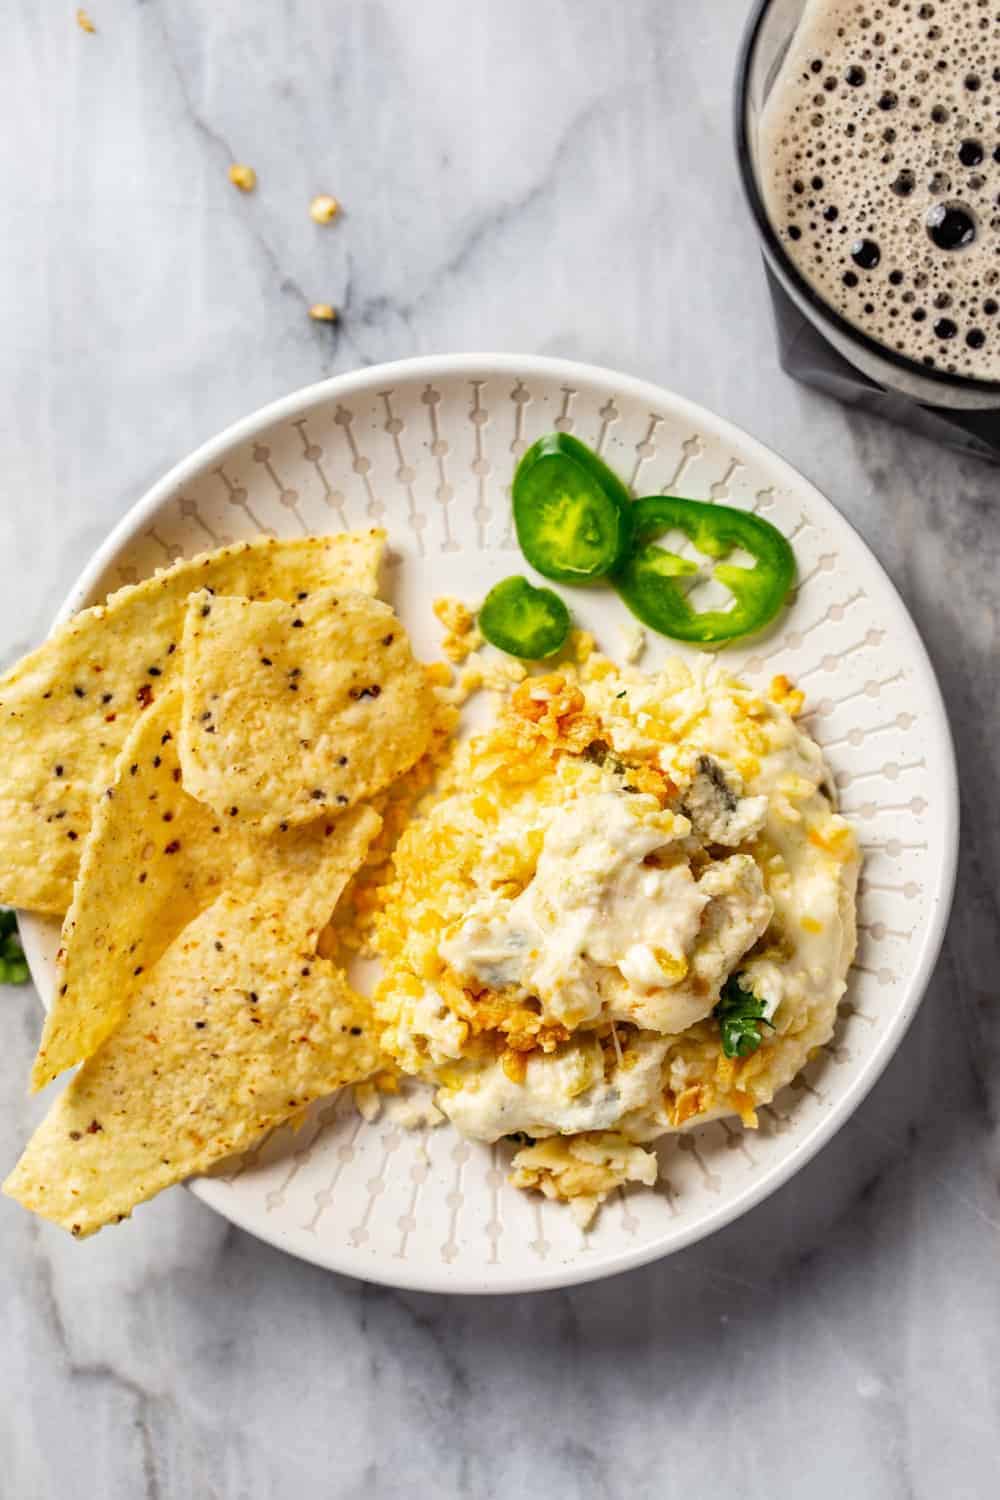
427 447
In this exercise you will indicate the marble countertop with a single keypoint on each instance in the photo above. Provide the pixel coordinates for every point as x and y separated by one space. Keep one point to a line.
558 178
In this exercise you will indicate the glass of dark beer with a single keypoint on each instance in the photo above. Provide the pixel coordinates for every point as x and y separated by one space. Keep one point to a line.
868 137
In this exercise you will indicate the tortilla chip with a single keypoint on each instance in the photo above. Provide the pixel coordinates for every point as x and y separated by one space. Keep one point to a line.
153 859
66 709
237 1029
295 711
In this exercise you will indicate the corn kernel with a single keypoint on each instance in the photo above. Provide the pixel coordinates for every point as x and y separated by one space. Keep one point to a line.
323 312
323 208
675 968
781 691
84 22
836 841
243 177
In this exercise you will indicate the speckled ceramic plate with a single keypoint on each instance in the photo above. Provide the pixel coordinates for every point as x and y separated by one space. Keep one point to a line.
427 448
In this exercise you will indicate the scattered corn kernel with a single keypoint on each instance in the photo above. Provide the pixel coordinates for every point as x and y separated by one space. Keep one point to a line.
243 177
323 208
781 691
84 22
323 312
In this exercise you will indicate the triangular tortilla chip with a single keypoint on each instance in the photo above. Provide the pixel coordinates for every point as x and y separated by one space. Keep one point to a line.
296 711
237 1029
153 859
66 709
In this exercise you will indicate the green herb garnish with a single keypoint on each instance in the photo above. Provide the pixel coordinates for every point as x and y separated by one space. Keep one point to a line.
740 1016
13 965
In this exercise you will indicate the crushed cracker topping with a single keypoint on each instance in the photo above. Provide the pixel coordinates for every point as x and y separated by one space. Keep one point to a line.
453 614
461 634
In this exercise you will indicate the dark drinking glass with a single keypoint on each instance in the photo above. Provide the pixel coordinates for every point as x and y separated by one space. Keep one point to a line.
911 123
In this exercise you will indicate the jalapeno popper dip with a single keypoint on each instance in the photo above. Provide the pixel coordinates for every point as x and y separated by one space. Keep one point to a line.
627 909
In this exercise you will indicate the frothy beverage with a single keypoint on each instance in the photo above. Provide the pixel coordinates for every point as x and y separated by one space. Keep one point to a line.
880 168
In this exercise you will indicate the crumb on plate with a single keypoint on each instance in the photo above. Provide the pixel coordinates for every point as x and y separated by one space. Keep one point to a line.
462 635
633 639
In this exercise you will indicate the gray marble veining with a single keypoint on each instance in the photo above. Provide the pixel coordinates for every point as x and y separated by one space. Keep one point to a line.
538 176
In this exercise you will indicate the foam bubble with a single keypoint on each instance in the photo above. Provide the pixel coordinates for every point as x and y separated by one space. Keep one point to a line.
880 167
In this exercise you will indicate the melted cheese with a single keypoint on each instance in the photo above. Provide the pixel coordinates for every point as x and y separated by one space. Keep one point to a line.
564 1092
593 904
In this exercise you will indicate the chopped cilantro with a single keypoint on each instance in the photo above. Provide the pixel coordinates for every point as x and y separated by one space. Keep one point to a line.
13 967
622 693
740 1016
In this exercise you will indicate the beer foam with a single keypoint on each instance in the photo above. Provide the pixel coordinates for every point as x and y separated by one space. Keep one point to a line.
880 171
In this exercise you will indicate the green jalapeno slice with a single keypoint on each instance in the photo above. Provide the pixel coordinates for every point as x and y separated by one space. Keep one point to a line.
649 578
524 621
572 514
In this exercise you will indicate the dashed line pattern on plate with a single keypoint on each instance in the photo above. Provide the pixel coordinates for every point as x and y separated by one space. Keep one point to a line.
481 466
313 455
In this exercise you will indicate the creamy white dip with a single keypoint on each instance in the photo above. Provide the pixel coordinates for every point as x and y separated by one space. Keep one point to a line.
588 904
